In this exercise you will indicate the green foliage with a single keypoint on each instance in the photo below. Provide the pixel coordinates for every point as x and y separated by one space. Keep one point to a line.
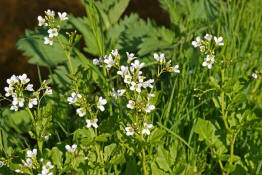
206 121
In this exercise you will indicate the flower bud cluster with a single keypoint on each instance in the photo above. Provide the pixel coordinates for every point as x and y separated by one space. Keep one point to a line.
207 47
54 27
19 89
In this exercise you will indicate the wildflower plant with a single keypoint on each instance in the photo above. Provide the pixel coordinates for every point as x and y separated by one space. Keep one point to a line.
122 100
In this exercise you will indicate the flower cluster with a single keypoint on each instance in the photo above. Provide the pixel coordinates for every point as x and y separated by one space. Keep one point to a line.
139 98
130 130
49 21
32 163
46 169
207 47
165 65
71 148
19 89
81 102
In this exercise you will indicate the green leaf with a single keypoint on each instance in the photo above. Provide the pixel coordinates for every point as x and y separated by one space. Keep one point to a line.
109 150
131 167
32 43
156 136
205 130
56 157
162 159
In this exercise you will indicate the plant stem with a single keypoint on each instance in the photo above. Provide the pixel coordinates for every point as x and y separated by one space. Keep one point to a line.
68 55
144 161
38 139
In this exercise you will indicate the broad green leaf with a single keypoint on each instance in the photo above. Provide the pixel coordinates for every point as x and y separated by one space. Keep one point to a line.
32 43
56 157
109 150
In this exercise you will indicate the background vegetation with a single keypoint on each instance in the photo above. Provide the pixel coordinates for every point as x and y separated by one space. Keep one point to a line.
207 121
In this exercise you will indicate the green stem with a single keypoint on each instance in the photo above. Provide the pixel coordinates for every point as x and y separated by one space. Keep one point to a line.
38 139
68 55
143 156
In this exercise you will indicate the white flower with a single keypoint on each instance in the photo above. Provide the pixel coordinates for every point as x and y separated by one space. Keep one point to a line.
121 92
124 71
48 91
128 79
160 58
100 104
95 61
117 93
48 166
9 91
31 154
18 101
129 131
13 80
114 52
62 16
137 64
146 128
47 137
2 164
14 108
148 108
29 87
17 171
202 48
81 112
52 32
208 37
148 83
209 61
109 61
50 13
41 21
130 57
254 75
23 78
197 43
141 79
219 41
32 102
71 148
28 163
135 87
176 69
131 104
92 122
49 41
73 98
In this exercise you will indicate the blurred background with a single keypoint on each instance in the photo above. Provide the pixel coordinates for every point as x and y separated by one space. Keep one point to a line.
18 15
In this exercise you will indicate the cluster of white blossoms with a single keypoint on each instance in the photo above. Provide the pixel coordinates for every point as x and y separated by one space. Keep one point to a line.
136 85
165 66
130 130
19 89
81 102
49 21
32 163
71 148
46 169
208 48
